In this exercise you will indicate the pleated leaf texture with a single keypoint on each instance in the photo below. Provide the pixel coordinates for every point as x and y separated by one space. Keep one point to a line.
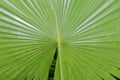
86 34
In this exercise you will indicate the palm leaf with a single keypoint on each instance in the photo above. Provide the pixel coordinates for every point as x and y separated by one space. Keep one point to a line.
84 34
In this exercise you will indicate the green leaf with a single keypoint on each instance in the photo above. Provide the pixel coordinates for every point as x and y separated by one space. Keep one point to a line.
85 33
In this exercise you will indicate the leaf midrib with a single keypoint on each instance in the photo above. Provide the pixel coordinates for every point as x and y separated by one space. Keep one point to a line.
58 44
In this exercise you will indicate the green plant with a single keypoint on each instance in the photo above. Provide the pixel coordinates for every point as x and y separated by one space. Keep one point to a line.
79 38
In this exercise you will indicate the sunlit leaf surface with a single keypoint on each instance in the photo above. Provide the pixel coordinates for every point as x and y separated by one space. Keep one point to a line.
86 34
